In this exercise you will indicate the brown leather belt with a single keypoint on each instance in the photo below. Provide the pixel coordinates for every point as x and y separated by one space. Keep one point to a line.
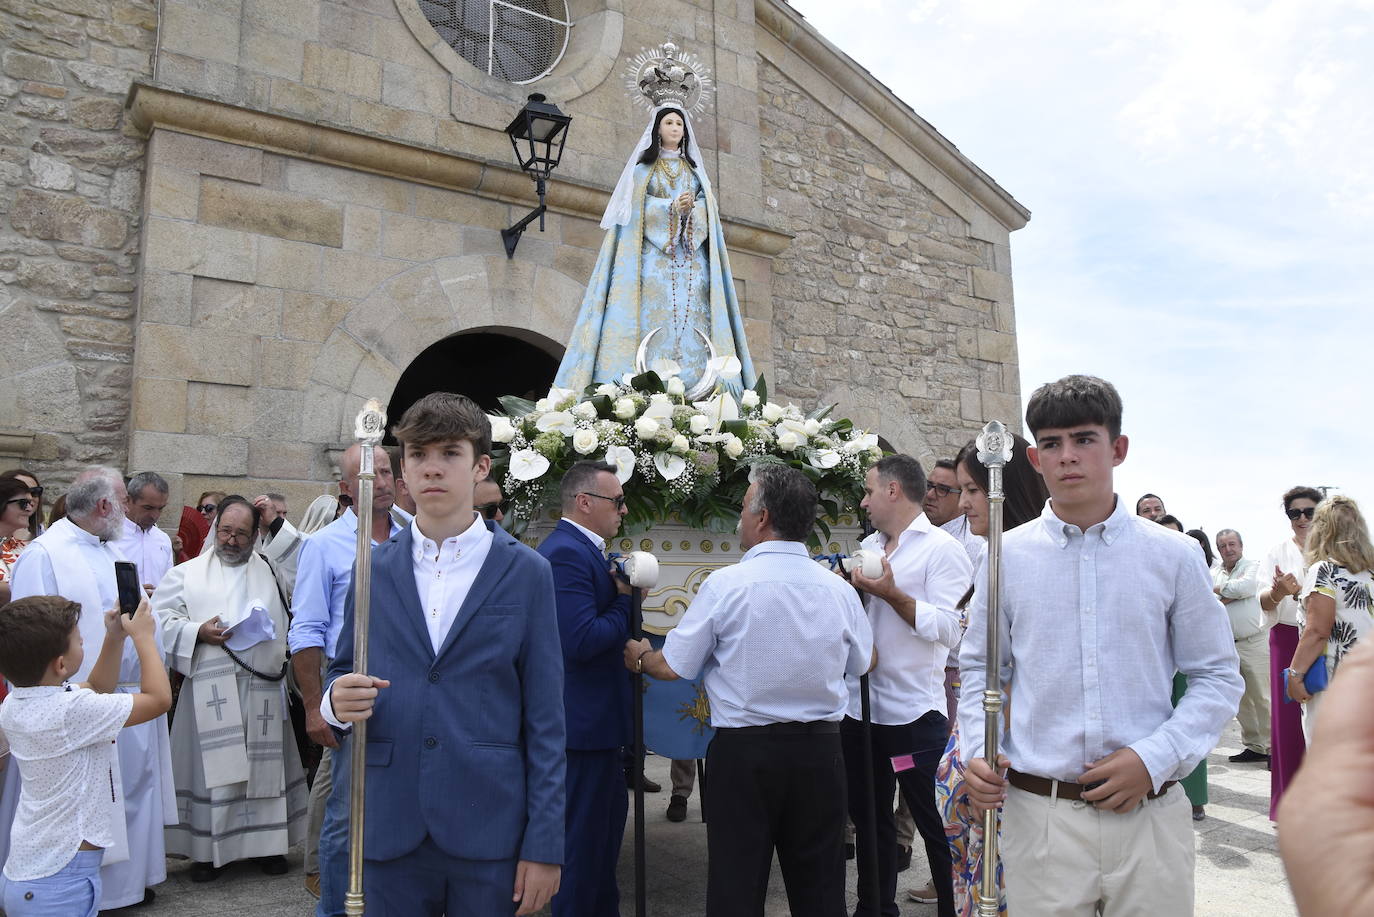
1044 786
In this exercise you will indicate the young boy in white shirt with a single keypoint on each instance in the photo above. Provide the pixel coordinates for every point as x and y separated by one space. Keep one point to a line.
62 739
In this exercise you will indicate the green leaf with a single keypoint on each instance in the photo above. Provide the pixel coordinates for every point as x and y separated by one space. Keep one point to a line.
648 382
515 406
761 387
821 413
603 406
737 427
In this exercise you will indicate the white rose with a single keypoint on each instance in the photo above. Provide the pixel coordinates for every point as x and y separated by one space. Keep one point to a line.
750 399
812 427
734 446
659 398
679 444
559 421
788 441
699 424
626 379
795 427
543 405
646 428
624 408
772 412
502 430
607 390
585 441
584 410
526 464
675 387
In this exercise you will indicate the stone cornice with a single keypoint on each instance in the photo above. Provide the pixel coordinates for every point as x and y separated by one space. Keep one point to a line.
797 35
151 107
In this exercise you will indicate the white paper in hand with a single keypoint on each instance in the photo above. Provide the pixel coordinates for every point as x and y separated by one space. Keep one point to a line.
253 625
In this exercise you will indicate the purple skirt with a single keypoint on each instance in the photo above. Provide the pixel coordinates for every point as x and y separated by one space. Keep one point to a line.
1285 718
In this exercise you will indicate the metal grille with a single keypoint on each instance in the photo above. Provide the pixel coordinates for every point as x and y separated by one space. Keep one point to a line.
518 41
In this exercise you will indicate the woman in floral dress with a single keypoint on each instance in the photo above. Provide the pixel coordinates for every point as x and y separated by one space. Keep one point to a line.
17 507
1025 500
1336 604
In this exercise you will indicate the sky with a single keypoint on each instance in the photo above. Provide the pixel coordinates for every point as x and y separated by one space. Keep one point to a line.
1200 176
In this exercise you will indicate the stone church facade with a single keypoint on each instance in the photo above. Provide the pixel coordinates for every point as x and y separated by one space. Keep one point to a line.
226 223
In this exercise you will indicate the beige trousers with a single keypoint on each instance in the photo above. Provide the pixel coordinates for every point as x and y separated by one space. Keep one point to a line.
1066 859
1254 703
314 811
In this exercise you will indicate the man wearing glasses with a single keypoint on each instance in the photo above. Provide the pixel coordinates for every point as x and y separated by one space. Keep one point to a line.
594 623
941 507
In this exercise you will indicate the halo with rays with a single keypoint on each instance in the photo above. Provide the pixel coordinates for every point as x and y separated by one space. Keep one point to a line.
667 74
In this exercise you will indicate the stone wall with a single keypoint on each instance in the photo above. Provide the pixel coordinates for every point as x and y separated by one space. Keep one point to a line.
70 185
884 302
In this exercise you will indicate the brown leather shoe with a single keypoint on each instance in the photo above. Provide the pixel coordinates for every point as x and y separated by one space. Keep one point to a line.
312 883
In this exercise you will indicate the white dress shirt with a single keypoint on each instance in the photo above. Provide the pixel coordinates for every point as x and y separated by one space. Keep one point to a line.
974 545
1241 585
148 549
933 568
63 740
1093 627
594 538
444 574
1287 556
773 637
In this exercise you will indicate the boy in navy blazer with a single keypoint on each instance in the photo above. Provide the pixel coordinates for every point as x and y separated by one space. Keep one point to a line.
594 623
465 750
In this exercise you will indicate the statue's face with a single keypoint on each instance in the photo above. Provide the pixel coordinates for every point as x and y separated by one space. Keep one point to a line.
670 131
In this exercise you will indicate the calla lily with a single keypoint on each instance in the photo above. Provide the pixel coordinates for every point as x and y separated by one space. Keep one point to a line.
659 410
718 409
526 464
824 458
559 395
558 421
728 365
665 367
669 465
623 458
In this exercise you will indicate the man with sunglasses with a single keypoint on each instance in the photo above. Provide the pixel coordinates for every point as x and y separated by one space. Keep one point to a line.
594 623
487 499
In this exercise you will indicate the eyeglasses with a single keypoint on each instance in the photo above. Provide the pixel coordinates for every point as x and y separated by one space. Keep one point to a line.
943 490
24 503
233 534
208 508
1294 513
618 501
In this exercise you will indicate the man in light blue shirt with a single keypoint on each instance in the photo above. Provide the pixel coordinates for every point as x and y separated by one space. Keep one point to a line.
773 638
324 575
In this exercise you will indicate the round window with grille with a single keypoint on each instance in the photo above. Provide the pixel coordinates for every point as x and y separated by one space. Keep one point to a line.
518 41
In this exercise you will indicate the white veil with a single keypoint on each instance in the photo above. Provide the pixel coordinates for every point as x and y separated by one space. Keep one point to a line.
618 210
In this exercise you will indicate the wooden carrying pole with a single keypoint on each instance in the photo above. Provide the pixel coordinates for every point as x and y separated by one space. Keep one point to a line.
369 429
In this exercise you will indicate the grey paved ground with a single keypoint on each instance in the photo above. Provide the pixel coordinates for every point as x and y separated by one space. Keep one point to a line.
1238 868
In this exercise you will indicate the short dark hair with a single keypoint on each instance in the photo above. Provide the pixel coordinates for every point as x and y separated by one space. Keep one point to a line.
1168 520
33 632
947 464
1301 492
146 479
1074 401
579 477
908 474
442 417
788 496
1143 497
1200 537
1022 486
236 500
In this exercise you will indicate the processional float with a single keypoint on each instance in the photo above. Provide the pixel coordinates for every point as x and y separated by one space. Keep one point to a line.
994 451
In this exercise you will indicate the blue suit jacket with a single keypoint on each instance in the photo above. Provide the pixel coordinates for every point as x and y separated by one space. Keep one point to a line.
594 623
466 746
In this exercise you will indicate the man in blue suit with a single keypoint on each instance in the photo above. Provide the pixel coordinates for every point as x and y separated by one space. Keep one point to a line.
594 623
465 751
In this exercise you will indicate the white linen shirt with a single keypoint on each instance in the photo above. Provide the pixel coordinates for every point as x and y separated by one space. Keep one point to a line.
1287 556
974 545
444 574
150 551
932 567
773 637
1093 627
63 740
1241 583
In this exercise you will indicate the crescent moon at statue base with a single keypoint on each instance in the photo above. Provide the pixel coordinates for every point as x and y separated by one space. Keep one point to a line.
709 378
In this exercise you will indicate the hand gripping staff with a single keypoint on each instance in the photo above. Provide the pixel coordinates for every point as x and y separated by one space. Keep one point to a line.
994 451
368 430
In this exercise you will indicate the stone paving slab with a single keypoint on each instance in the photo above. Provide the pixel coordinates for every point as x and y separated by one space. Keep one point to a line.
1238 867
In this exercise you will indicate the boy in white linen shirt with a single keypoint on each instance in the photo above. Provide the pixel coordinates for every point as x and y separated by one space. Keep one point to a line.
62 738
1100 608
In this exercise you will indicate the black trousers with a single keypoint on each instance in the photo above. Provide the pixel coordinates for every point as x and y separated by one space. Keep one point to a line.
925 741
775 789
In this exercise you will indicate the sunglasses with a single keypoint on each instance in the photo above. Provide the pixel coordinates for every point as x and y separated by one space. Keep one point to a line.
208 508
488 510
1293 514
36 492
943 490
618 501
24 503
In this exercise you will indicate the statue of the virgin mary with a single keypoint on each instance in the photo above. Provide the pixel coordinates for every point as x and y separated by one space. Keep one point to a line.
661 287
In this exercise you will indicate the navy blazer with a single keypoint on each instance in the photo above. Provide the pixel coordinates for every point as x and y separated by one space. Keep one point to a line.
594 623
466 746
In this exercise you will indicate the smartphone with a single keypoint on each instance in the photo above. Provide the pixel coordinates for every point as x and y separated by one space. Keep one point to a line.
130 592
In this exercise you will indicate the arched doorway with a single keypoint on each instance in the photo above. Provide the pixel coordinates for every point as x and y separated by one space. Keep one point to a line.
483 364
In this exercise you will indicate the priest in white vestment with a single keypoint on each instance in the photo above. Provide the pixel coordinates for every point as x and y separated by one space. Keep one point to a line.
240 789
75 558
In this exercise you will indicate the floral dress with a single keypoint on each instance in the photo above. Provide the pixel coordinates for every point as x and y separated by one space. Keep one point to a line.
9 553
1354 609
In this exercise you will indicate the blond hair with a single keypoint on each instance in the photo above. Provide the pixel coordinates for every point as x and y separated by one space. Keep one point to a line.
1339 533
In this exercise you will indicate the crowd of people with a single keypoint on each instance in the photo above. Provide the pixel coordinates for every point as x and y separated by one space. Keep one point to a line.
500 711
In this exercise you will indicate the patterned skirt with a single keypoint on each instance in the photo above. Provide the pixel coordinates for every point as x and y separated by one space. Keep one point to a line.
964 832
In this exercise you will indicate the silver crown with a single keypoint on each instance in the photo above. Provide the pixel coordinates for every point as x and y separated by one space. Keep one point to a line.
667 76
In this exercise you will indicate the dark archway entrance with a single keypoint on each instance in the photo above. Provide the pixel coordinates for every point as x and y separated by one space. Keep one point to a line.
483 364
